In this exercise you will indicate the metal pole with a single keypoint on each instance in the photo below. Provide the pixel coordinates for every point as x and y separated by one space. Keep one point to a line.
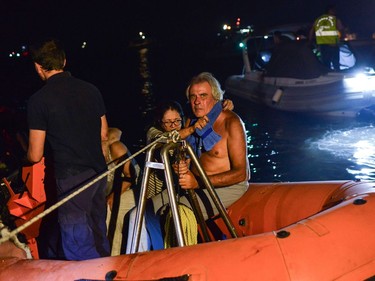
172 193
142 202
198 213
211 190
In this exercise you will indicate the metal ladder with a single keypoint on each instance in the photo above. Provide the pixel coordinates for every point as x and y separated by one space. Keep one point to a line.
166 143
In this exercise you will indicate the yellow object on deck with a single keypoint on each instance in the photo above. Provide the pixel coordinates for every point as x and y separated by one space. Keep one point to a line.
189 227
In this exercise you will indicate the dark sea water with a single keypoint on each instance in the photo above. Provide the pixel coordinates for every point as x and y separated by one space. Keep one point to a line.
290 147
282 146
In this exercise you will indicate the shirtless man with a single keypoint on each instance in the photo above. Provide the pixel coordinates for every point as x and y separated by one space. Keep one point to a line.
224 160
220 145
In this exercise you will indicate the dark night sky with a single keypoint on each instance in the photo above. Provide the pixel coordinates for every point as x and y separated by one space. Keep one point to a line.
109 25
24 20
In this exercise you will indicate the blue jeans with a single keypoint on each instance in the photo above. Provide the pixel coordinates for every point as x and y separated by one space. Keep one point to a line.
82 219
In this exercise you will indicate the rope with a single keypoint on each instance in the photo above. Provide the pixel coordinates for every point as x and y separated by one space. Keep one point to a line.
174 135
189 227
4 231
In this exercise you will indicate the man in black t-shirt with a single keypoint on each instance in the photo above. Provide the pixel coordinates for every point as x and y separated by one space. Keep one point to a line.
67 115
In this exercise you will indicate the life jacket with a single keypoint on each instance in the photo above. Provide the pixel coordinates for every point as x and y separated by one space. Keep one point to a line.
325 30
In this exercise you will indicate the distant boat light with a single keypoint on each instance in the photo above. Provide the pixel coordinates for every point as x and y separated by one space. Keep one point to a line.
142 35
266 56
14 54
245 30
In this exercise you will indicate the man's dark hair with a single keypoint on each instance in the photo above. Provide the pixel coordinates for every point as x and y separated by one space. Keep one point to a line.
330 8
49 54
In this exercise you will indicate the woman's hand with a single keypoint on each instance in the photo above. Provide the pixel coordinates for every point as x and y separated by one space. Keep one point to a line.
228 105
201 122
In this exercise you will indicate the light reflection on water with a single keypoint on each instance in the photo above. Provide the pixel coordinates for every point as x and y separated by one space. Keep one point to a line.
288 147
356 145
261 150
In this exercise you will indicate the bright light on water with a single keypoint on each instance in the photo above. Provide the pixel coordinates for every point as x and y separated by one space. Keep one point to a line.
356 145
360 82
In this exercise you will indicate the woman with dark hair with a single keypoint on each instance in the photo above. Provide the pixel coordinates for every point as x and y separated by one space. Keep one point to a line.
168 117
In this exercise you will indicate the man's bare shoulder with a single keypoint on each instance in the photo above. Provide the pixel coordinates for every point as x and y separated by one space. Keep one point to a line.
231 117
228 121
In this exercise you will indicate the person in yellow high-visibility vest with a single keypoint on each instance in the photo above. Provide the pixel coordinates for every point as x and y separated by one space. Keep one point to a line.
327 30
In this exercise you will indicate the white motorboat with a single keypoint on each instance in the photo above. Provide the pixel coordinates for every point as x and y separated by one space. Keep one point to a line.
291 78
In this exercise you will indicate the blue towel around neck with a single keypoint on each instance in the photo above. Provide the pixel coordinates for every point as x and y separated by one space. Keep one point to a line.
205 138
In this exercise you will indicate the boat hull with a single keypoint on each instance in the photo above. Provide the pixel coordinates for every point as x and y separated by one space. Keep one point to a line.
287 231
335 94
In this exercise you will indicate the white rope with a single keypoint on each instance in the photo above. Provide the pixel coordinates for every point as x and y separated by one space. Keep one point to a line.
4 231
173 135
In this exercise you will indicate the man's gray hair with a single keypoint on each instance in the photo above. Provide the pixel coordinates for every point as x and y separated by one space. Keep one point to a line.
217 92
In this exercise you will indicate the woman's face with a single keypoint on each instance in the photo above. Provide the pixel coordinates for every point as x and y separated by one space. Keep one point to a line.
171 120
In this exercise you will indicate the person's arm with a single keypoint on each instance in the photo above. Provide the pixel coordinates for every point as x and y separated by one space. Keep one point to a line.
104 135
201 122
35 149
340 28
119 149
188 130
185 132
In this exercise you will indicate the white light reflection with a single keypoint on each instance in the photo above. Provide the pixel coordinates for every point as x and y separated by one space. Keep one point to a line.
360 83
356 145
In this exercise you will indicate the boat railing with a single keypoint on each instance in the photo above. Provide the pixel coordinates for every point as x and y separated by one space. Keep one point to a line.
245 56
173 142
